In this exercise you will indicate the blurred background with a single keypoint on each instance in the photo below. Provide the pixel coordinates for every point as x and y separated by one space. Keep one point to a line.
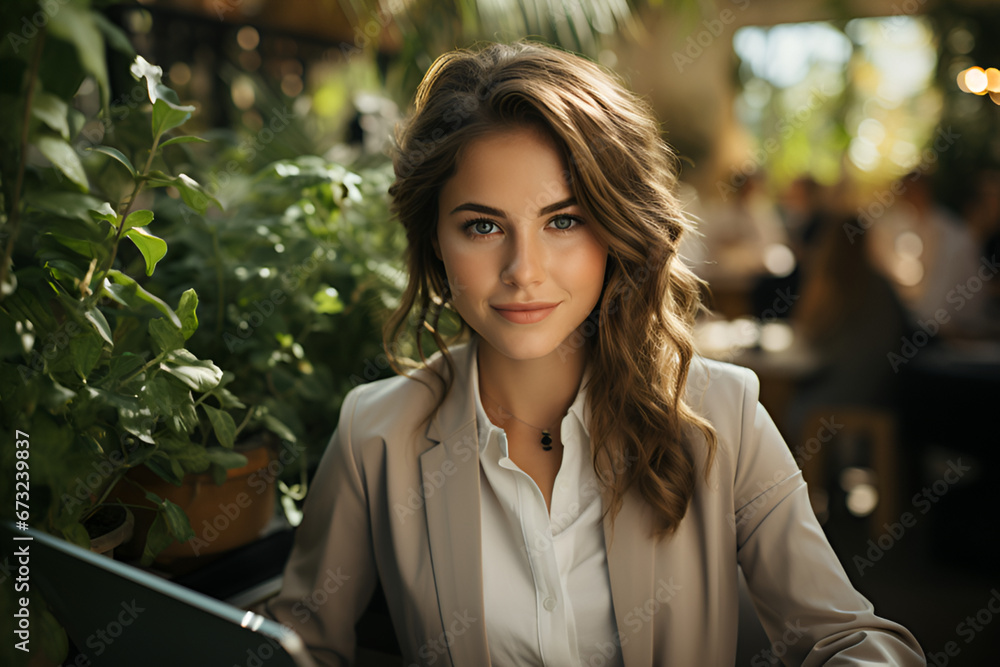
842 161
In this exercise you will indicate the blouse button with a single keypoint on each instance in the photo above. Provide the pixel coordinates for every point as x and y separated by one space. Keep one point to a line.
549 604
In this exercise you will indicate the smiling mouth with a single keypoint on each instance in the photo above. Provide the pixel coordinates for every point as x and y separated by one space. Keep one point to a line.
525 313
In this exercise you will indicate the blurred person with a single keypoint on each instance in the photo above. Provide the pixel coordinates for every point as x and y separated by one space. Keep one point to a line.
928 254
738 230
803 211
852 318
565 483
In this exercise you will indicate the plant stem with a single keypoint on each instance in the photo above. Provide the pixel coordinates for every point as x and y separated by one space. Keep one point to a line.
22 158
109 485
139 184
155 360
246 420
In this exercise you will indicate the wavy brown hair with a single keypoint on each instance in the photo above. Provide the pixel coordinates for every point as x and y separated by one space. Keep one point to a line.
623 174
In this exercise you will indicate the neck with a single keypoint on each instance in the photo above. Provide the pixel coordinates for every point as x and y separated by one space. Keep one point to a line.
537 391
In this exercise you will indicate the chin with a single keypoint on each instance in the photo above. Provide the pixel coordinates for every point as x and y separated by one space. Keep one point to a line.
522 349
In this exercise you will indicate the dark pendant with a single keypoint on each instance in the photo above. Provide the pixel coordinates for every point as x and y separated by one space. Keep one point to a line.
546 440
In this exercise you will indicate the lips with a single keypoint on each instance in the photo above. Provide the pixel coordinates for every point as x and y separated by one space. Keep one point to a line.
525 313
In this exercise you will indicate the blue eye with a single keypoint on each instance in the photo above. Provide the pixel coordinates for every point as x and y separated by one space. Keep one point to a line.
564 222
481 227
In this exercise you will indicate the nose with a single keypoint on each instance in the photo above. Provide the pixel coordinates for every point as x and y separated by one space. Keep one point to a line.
526 263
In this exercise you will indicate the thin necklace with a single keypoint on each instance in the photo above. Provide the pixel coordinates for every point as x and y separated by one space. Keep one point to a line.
546 432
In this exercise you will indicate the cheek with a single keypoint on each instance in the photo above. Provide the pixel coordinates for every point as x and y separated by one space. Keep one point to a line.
468 273
587 269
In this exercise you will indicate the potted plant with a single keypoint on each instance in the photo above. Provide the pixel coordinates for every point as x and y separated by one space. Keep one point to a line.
96 378
297 276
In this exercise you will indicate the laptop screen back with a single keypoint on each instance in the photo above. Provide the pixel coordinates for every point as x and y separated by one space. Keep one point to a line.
116 614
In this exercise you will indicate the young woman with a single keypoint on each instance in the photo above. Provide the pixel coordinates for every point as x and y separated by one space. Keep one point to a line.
570 485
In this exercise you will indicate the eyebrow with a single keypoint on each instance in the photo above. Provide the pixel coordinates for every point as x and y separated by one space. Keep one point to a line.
489 210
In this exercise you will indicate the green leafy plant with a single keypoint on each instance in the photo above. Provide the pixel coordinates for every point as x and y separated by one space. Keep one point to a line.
298 275
94 366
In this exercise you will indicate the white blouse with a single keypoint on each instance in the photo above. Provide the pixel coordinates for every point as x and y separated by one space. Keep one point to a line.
545 576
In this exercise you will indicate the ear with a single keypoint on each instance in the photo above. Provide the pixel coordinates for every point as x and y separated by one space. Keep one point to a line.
437 246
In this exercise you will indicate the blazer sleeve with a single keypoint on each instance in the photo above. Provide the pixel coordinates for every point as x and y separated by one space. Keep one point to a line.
330 576
810 610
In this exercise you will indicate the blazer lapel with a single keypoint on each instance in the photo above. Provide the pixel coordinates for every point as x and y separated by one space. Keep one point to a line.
450 472
631 550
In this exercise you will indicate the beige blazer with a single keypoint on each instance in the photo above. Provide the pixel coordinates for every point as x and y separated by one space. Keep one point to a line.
398 501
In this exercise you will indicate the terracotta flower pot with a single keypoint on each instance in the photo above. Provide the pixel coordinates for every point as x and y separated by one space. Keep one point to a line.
223 517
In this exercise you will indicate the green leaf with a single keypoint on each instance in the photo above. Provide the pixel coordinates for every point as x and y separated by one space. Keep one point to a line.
176 469
90 445
122 366
125 289
96 317
111 399
228 399
73 205
167 116
157 392
188 456
225 458
165 335
77 26
177 521
105 212
161 464
173 402
63 269
54 396
191 191
168 113
277 427
198 374
222 424
157 539
60 68
218 473
187 311
86 352
139 452
116 154
138 219
187 139
65 159
115 36
143 69
76 120
153 248
53 111
327 301
137 420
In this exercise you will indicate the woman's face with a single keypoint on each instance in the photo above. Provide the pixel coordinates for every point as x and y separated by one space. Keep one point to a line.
523 263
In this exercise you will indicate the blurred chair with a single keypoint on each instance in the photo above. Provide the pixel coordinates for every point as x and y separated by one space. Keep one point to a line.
872 428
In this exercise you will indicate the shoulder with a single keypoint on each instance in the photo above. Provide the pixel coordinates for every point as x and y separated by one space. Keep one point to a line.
719 390
400 404
728 397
